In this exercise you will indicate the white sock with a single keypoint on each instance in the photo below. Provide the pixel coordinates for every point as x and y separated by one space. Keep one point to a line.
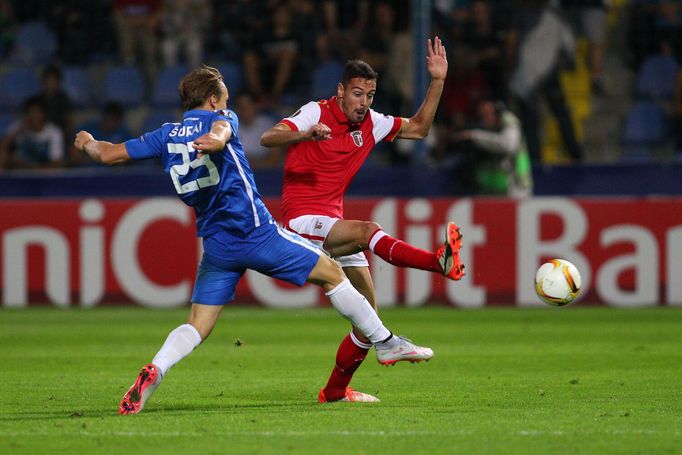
375 239
358 343
354 306
179 344
388 343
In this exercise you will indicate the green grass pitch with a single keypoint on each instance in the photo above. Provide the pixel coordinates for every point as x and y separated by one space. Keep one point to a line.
571 380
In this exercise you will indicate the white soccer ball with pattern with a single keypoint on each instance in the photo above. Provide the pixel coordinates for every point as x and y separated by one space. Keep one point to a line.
557 282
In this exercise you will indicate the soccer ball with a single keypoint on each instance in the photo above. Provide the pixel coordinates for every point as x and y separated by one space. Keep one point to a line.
557 282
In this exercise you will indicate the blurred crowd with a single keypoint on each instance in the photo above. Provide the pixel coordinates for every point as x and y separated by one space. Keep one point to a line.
506 64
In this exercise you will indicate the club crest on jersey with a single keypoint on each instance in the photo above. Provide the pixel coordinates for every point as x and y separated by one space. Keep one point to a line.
357 137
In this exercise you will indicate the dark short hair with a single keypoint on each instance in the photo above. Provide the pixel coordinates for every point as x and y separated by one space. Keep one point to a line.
34 101
198 86
358 68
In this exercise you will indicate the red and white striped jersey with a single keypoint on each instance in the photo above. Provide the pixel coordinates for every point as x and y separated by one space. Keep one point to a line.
317 173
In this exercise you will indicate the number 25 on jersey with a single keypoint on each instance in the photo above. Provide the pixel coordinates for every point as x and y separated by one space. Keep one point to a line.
179 171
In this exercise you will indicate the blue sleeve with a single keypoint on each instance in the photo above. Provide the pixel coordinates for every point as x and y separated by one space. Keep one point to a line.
228 116
149 145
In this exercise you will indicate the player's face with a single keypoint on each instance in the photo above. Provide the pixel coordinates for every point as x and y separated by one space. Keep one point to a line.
356 97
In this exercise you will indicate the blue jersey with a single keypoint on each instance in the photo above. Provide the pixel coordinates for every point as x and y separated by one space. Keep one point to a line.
219 186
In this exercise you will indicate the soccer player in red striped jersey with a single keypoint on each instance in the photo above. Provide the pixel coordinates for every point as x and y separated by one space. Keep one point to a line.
327 141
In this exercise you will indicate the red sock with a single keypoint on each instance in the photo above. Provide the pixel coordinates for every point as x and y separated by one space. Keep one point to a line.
348 358
403 254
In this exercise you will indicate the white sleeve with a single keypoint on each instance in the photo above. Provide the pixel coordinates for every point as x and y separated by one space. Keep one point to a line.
505 142
304 118
382 125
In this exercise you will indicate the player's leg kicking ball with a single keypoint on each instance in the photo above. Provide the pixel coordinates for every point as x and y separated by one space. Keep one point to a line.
448 253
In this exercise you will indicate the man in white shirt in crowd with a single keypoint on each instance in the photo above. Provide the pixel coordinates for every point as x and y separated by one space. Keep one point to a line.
32 141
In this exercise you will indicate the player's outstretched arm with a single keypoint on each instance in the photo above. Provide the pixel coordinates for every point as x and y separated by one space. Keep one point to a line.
282 135
101 151
418 126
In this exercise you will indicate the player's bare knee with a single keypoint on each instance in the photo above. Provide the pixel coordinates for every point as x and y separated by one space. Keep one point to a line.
336 275
327 273
369 228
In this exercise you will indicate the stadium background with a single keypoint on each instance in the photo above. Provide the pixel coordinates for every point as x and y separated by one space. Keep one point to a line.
78 234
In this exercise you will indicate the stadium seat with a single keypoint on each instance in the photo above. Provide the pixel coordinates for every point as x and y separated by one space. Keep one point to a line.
325 78
77 85
6 119
165 93
16 85
157 117
645 128
125 85
35 44
645 125
233 75
656 77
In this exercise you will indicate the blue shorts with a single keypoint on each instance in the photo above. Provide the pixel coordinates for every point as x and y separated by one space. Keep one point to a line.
268 249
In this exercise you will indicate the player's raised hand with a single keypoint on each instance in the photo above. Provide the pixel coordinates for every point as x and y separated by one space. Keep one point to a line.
208 143
82 138
319 132
436 59
215 140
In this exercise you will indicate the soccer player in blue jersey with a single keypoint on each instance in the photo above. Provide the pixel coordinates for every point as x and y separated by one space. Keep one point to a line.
209 170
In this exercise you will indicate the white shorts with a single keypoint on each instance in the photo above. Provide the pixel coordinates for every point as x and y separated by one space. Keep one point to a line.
316 228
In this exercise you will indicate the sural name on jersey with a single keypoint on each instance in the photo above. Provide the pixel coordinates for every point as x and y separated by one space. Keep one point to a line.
185 130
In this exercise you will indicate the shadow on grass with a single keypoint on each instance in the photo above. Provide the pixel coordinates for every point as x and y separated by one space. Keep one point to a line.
175 410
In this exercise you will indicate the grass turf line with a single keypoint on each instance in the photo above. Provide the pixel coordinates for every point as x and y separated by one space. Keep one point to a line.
588 380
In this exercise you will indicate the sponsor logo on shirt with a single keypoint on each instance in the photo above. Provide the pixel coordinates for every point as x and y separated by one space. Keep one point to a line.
357 137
